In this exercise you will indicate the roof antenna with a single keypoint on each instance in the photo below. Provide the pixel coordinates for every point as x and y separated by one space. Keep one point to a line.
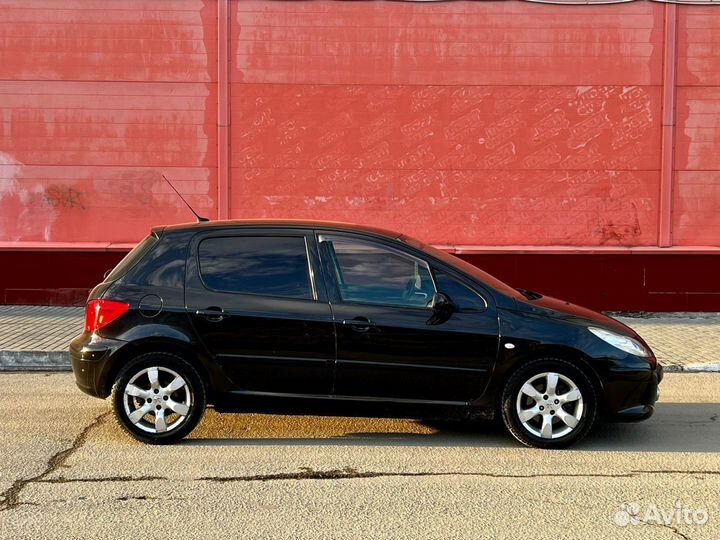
200 219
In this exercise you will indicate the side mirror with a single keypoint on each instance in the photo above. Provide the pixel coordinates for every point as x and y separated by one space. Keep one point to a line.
440 303
442 308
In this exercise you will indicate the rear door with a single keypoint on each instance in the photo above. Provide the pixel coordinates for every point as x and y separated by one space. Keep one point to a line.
254 302
390 344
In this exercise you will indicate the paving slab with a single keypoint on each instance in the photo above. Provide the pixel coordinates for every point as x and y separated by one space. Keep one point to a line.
681 341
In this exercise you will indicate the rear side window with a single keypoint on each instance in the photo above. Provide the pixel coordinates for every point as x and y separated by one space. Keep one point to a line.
132 258
265 265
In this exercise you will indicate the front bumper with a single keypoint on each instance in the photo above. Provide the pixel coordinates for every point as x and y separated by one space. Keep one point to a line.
90 357
640 404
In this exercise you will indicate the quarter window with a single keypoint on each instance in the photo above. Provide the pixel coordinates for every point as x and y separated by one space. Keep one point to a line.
369 273
265 265
461 295
132 258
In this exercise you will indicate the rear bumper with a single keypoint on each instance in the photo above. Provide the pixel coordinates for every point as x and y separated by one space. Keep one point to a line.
90 359
640 405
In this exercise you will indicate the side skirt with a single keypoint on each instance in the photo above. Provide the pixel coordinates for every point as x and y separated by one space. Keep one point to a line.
325 405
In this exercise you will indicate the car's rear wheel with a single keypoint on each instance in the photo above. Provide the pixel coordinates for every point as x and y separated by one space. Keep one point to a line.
158 398
549 403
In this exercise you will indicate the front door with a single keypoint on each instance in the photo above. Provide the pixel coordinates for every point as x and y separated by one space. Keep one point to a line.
390 343
253 301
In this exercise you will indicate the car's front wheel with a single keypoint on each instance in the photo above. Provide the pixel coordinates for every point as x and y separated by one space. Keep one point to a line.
549 403
158 398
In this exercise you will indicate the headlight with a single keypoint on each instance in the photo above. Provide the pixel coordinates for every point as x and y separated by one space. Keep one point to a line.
624 343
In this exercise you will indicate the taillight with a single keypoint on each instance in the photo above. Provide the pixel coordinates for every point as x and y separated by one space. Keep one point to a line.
99 313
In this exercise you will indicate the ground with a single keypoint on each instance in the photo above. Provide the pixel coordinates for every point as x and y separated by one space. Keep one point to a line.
67 471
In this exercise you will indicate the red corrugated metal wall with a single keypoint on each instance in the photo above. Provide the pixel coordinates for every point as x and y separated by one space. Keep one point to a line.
479 125
696 199
486 123
96 100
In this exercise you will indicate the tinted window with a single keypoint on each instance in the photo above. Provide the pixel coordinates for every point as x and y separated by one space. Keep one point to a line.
267 265
164 266
370 273
132 258
461 295
464 266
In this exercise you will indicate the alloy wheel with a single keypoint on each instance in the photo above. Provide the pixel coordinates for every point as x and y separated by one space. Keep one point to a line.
549 405
157 399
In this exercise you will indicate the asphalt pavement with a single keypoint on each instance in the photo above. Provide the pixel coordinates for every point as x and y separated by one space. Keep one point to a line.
67 471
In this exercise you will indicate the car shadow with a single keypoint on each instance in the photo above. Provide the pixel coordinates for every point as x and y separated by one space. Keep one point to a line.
675 427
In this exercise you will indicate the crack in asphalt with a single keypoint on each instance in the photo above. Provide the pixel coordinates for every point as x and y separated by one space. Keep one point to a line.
63 480
677 471
664 526
675 530
126 498
10 498
349 473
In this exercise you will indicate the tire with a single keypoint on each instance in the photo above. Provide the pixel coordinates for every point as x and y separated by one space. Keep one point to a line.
167 389
551 417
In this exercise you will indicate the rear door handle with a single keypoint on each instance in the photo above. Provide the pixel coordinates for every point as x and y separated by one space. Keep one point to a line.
359 324
212 314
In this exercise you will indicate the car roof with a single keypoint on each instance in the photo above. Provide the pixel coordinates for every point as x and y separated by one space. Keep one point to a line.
278 223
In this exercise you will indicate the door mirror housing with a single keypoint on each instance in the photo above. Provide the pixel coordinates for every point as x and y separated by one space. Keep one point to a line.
441 304
442 308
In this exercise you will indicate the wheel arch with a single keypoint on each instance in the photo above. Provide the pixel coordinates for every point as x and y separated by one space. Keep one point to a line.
551 352
155 345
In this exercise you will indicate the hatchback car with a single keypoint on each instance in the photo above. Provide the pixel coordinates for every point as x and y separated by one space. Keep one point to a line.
297 317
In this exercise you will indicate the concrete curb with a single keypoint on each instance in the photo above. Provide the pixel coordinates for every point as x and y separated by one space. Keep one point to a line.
34 361
693 368
60 361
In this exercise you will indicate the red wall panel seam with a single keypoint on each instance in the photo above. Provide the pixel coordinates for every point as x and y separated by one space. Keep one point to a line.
223 195
667 148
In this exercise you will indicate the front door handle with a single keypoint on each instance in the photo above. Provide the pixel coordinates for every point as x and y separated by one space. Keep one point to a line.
359 324
212 314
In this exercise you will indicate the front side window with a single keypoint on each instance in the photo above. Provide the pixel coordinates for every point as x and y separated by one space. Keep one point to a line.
265 265
369 273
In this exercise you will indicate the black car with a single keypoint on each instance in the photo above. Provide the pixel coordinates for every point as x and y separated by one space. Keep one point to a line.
301 316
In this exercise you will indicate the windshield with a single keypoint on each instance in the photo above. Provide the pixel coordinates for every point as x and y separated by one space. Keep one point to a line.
466 267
